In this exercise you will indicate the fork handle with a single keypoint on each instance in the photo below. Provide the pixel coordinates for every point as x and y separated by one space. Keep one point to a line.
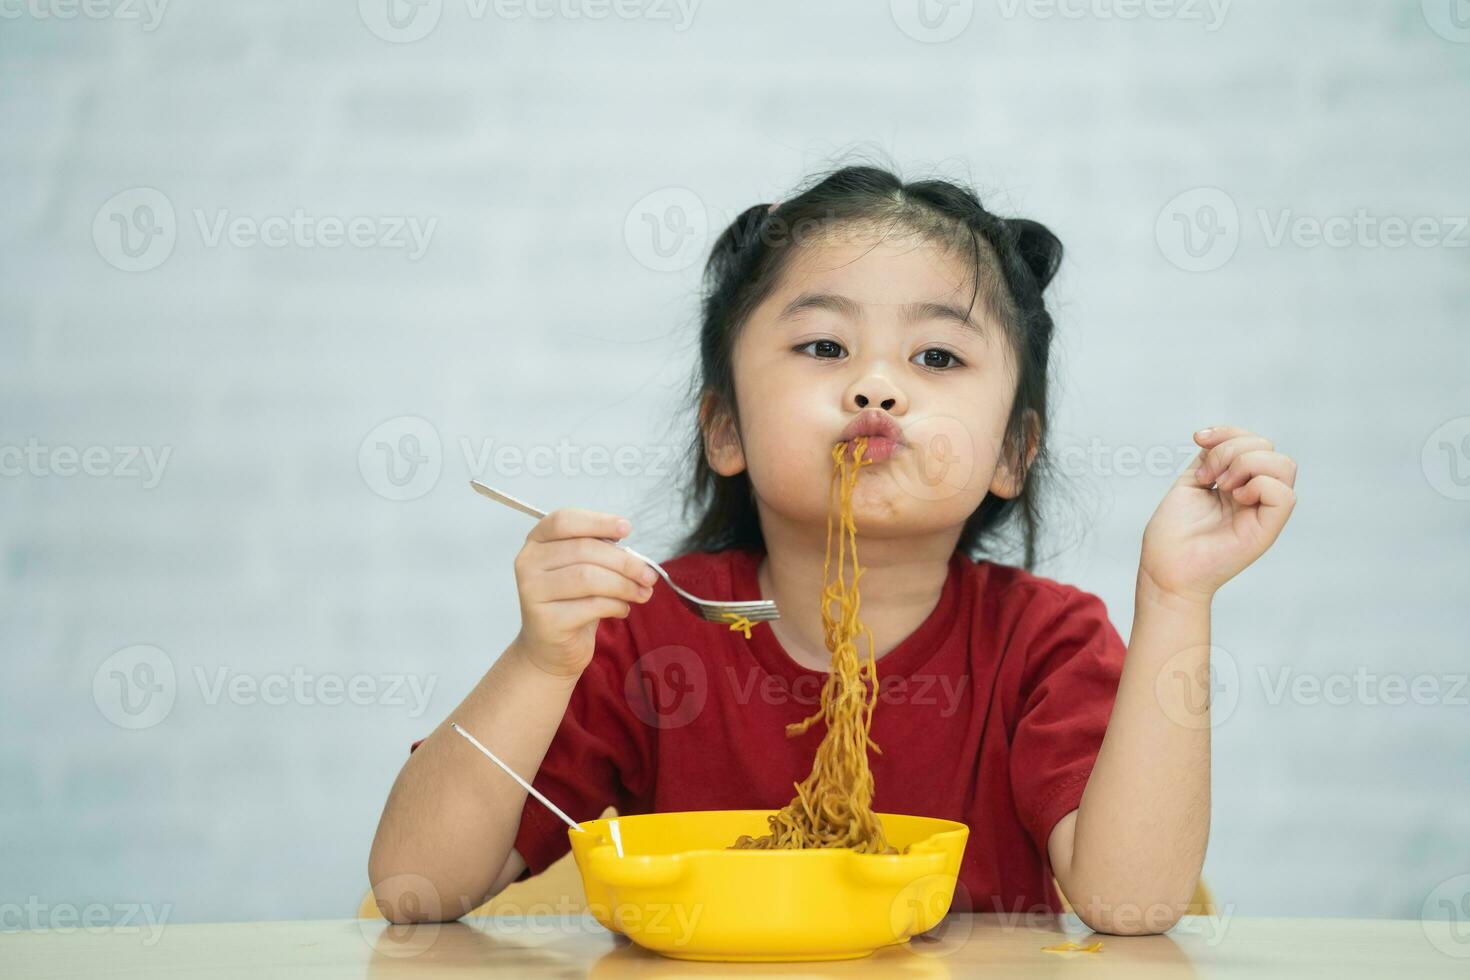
525 508
507 499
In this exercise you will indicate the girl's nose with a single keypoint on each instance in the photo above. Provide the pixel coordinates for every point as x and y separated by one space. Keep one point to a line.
886 404
874 389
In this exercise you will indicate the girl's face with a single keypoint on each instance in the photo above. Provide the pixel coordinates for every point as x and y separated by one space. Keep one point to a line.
871 324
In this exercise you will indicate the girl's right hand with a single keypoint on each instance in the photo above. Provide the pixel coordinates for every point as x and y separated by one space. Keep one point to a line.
568 580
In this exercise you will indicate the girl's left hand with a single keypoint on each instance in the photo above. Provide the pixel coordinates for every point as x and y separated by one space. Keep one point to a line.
1200 538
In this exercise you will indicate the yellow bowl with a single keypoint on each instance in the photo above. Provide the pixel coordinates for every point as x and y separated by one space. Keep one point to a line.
680 891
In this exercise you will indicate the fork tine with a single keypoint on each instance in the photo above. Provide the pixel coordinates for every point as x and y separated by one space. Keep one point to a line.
761 613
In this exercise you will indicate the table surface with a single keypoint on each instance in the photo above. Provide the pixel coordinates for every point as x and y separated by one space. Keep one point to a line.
568 946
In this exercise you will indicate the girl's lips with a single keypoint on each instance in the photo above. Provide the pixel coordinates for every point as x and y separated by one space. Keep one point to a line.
879 448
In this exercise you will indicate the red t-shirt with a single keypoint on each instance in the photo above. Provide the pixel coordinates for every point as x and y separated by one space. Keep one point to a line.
990 713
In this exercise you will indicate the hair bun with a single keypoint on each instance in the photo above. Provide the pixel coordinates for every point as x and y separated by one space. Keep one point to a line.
1038 247
741 232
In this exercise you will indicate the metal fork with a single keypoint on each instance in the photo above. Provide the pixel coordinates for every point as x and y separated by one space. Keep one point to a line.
714 610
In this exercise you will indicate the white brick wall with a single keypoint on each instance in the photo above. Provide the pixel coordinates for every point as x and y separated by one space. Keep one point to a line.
530 320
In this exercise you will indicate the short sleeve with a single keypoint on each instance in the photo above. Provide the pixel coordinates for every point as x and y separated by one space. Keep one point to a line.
1074 657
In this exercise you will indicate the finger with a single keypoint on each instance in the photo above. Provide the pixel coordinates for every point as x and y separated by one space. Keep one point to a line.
1221 456
1186 476
1207 440
593 551
583 610
573 522
584 581
1275 500
1217 434
1255 462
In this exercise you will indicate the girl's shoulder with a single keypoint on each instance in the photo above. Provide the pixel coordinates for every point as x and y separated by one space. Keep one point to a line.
1010 591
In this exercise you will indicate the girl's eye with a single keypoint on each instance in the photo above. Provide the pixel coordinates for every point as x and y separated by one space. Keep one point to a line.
942 359
826 349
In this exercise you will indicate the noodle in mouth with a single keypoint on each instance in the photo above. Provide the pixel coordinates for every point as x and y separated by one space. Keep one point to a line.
833 805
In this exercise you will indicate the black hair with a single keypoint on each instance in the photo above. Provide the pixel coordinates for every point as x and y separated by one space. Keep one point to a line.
1013 261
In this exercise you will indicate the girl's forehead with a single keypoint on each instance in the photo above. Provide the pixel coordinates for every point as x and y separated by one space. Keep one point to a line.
874 269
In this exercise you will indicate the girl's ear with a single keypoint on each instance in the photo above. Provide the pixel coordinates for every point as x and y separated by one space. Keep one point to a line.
1007 482
722 447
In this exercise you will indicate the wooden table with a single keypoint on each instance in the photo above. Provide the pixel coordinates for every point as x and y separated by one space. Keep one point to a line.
570 946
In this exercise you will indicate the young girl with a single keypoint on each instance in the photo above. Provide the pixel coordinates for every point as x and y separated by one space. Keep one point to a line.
908 313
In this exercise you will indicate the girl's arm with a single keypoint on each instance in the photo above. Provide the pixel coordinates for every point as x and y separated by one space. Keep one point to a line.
1129 857
444 842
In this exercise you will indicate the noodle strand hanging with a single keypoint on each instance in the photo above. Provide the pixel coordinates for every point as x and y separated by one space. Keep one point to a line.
833 805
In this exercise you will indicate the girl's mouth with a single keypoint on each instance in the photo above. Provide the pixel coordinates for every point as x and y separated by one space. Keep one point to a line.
879 448
885 437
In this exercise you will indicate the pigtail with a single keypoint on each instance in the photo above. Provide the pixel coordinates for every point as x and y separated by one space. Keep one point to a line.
735 242
1038 247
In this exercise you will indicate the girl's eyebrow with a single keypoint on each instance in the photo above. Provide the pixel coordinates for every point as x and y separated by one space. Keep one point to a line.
851 308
